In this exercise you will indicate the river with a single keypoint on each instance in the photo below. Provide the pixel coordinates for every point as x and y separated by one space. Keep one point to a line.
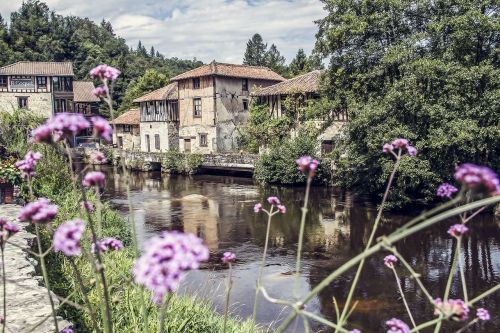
337 228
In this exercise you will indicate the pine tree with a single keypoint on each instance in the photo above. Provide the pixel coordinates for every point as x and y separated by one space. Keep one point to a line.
152 52
275 61
299 64
255 53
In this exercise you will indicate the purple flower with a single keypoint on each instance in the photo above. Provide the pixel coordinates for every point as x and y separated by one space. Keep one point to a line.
387 148
39 211
108 244
455 309
60 126
412 151
355 331
67 237
390 260
457 230
104 72
307 165
478 177
167 257
483 314
401 144
397 326
228 257
281 209
446 190
274 201
41 134
87 205
67 330
257 208
101 91
7 229
101 128
94 178
98 157
27 166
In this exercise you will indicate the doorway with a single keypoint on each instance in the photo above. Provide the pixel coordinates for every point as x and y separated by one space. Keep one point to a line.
148 144
187 145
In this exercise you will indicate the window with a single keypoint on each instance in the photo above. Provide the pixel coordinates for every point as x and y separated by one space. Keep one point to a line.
3 81
196 83
244 85
245 105
62 83
22 102
41 81
63 105
197 107
126 128
157 141
203 140
120 142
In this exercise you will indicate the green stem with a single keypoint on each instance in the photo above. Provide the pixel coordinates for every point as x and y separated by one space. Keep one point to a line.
301 237
483 295
398 282
427 324
370 240
163 312
228 295
46 277
472 322
4 281
461 269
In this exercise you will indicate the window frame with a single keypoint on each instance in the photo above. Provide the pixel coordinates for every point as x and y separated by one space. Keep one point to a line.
41 82
22 98
244 84
196 83
197 108
157 142
245 104
127 128
203 137
4 81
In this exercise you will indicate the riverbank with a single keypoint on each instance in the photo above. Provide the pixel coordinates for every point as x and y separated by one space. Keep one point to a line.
27 300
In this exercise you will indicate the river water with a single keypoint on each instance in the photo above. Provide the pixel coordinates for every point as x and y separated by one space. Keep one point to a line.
337 228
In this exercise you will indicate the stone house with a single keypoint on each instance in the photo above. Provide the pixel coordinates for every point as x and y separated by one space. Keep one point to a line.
159 119
307 87
213 100
127 135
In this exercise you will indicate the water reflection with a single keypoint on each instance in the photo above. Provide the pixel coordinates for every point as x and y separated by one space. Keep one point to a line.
220 210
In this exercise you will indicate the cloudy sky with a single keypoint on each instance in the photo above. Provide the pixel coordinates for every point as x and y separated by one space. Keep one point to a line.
205 29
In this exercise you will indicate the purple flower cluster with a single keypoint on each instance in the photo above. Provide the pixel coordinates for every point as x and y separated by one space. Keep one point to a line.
102 128
457 230
483 314
228 257
355 331
39 211
478 178
257 208
98 157
274 201
101 91
7 229
67 330
390 260
397 326
67 237
27 166
446 190
87 205
455 309
60 126
108 244
307 165
94 178
167 257
399 144
105 72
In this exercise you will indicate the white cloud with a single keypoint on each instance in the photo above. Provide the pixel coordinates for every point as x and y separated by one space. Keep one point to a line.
205 29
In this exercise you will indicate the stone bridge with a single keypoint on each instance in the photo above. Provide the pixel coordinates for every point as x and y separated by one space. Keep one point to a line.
219 162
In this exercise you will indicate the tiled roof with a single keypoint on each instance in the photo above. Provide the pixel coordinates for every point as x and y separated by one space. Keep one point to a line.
231 70
305 83
82 91
38 68
166 93
131 117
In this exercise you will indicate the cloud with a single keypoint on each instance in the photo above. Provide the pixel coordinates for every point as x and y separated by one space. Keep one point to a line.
205 29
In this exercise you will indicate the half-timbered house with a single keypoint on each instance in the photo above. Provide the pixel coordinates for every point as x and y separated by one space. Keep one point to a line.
127 135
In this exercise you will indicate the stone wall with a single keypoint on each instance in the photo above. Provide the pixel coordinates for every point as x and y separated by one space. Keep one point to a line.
131 140
39 103
168 134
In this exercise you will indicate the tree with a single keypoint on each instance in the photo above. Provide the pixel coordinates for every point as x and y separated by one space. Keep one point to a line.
5 52
255 53
298 64
152 52
275 61
151 80
427 71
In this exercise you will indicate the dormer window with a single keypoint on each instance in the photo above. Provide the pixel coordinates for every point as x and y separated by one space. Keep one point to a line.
244 85
196 83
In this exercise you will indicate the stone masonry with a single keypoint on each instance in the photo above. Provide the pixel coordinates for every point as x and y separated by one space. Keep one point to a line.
27 299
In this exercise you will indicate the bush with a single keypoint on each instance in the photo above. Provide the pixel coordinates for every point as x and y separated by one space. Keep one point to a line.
181 163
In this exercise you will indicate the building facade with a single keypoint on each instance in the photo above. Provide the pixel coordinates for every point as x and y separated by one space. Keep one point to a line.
159 119
44 88
127 135
213 100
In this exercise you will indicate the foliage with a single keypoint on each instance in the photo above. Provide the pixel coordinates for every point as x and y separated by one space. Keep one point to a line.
255 53
433 79
302 64
15 127
38 34
181 163
9 173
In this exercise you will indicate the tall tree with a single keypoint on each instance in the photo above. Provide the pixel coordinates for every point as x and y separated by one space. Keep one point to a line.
152 52
275 61
5 51
255 53
151 80
298 65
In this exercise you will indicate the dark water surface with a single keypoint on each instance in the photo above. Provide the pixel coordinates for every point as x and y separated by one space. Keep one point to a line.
337 229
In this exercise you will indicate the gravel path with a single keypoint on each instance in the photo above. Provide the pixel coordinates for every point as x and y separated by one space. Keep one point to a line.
27 298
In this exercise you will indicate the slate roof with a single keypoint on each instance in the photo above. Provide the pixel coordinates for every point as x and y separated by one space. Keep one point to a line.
305 83
131 117
168 92
38 68
231 70
82 91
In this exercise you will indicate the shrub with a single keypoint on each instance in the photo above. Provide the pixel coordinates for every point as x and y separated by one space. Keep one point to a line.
181 163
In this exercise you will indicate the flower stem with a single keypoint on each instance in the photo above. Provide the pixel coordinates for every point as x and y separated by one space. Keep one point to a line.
398 282
461 270
228 295
163 312
301 237
4 281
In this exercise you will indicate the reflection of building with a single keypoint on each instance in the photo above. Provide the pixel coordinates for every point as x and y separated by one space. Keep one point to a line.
159 125
213 99
201 217
127 134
